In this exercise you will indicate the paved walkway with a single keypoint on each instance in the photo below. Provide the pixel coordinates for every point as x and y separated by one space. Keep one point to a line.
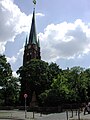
81 117
20 115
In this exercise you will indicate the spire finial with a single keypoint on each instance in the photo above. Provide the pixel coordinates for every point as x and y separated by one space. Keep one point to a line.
34 2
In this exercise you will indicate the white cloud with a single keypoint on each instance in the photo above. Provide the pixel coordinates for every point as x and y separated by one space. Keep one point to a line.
15 74
40 14
65 40
2 47
12 22
16 61
12 59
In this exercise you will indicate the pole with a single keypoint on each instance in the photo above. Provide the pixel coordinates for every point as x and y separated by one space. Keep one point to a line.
25 109
67 114
72 112
33 112
78 114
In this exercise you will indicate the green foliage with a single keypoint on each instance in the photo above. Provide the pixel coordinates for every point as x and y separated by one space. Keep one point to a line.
55 86
50 97
9 85
5 70
54 70
36 74
52 85
70 86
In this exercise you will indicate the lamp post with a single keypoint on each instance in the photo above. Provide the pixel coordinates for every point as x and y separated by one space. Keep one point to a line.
25 96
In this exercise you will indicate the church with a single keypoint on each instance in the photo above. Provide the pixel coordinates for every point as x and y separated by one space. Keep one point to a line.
32 46
31 51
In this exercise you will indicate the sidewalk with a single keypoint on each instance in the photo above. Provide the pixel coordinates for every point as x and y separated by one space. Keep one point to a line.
82 117
15 115
20 115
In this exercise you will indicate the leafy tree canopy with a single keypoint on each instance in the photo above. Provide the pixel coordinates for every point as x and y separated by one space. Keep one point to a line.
9 92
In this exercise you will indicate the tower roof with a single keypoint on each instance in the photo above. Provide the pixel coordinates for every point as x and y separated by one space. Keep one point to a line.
33 36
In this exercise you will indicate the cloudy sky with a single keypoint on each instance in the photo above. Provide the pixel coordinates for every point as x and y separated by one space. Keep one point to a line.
63 27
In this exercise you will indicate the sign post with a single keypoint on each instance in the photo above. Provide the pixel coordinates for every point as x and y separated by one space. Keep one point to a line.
25 96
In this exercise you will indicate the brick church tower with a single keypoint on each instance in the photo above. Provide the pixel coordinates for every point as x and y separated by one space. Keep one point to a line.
32 46
31 51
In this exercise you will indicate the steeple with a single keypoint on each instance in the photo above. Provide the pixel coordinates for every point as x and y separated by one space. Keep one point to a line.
31 51
32 45
33 36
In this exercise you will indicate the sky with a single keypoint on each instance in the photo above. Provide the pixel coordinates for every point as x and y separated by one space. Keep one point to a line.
63 27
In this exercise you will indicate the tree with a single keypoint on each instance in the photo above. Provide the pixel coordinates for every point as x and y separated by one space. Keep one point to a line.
69 86
9 85
33 77
53 71
53 85
5 75
87 81
78 83
5 70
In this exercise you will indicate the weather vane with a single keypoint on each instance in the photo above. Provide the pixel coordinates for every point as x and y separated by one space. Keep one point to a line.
34 2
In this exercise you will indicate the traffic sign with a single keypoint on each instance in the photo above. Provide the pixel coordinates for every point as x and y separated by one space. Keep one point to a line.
25 95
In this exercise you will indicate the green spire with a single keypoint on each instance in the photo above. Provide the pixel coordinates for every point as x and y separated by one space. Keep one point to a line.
33 36
34 40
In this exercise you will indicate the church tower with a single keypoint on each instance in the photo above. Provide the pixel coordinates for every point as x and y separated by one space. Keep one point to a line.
31 51
32 46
